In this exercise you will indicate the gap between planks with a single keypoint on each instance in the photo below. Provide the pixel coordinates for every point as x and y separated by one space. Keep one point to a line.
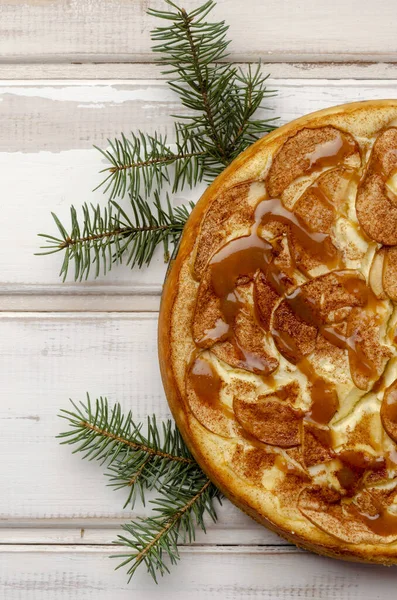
95 537
184 549
77 303
129 70
105 531
146 58
69 315
154 82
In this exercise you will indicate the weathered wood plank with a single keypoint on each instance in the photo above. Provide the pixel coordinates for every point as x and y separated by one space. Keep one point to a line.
94 301
206 573
129 70
118 30
45 361
48 496
232 528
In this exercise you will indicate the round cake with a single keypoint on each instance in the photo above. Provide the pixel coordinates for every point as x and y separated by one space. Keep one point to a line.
277 335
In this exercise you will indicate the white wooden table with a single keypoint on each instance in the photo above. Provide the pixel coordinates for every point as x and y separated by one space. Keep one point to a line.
73 73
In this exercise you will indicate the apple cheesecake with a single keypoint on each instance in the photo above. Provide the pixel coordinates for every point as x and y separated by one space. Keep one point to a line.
277 333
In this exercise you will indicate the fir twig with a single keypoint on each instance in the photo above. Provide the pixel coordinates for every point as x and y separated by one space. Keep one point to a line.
220 123
220 98
110 235
221 101
153 540
142 163
157 459
135 460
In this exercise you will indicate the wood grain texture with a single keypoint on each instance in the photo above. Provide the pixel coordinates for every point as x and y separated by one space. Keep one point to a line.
232 528
118 30
134 71
48 136
227 573
48 359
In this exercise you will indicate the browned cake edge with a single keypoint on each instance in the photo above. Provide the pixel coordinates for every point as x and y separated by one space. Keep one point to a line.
336 549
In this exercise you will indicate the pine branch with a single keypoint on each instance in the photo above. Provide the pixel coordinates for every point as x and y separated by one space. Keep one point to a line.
142 163
189 47
135 461
110 235
157 459
247 101
179 513
221 99
222 102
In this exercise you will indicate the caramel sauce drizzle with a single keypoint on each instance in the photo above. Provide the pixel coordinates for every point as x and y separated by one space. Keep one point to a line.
241 258
244 256
347 478
330 153
306 308
382 523
237 262
206 382
390 404
325 400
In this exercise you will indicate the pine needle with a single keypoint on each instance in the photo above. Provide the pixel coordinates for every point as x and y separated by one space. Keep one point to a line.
221 122
154 540
221 101
138 460
110 236
142 162
135 460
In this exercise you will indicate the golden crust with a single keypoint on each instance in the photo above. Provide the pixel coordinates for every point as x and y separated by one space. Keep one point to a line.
271 483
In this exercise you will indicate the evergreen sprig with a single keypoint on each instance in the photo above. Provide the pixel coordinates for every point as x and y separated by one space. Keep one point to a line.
142 162
221 101
138 461
135 460
153 540
109 235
